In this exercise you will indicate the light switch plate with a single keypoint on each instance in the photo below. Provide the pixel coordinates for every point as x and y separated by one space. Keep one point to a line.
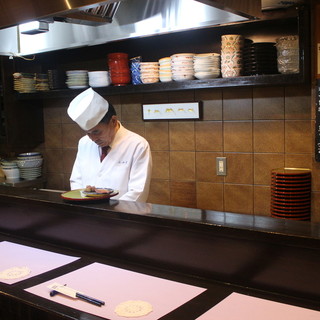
188 110
221 166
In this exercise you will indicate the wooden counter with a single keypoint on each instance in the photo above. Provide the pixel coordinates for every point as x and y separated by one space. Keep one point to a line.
224 252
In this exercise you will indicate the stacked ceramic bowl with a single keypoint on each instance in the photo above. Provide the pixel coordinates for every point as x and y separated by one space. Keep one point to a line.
24 82
291 193
149 72
30 165
288 54
10 169
165 69
231 55
182 66
99 79
135 70
206 65
77 79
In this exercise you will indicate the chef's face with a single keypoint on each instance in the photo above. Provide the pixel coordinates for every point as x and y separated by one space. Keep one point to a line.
103 133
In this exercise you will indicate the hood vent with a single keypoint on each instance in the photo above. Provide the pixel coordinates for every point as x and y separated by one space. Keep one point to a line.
88 22
95 16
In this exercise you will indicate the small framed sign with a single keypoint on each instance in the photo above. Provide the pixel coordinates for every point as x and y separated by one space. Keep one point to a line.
167 111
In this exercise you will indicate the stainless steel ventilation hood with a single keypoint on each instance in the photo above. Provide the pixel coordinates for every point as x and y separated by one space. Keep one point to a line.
76 23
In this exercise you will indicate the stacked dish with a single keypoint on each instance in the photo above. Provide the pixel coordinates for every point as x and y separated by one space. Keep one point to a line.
135 70
77 79
10 169
231 55
288 54
57 79
260 58
165 69
24 82
99 79
182 66
42 82
206 65
30 165
291 193
118 64
149 72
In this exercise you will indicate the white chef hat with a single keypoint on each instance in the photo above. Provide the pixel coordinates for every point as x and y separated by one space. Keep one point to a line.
87 109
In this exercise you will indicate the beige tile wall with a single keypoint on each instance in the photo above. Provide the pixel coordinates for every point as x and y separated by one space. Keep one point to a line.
256 129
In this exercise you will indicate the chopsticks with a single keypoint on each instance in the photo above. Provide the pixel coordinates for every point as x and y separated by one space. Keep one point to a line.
75 294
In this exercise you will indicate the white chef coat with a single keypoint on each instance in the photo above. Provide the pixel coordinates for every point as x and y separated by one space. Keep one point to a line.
126 168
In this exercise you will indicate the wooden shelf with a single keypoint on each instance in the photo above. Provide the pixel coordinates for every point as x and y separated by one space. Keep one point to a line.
261 80
198 38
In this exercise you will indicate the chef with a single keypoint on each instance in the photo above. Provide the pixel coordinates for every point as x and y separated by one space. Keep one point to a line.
109 156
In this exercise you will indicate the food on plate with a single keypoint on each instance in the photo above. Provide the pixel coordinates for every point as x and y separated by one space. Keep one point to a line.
92 190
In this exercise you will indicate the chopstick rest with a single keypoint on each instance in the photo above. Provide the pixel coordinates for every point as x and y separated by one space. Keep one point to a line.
63 289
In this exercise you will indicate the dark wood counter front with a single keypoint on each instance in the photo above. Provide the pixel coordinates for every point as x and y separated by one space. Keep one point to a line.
224 252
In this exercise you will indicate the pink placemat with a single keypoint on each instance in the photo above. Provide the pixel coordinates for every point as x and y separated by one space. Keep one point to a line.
243 307
37 260
114 286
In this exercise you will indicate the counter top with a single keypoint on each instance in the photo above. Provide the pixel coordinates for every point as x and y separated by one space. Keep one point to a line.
266 257
175 216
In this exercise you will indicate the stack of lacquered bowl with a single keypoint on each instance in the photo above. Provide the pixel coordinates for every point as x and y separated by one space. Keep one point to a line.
291 193
260 58
182 66
30 165
119 69
206 65
57 79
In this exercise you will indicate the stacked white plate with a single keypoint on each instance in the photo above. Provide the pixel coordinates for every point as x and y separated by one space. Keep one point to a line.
207 65
77 79
165 69
182 66
30 165
99 79
149 72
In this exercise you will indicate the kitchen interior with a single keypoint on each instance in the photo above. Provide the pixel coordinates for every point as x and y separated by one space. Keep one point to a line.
257 128
257 123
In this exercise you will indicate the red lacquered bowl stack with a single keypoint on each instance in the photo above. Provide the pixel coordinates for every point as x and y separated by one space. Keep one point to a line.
291 193
119 68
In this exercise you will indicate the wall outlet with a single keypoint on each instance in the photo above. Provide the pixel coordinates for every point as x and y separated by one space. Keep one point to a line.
221 166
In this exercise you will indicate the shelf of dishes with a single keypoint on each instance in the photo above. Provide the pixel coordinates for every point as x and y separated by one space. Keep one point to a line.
239 57
26 166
